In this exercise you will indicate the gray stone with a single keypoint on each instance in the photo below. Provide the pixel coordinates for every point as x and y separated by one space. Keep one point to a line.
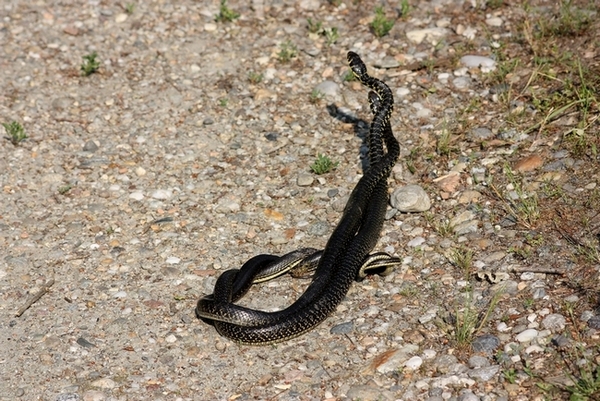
431 34
480 133
90 146
343 328
478 361
304 179
68 397
484 374
594 322
486 344
477 61
554 322
461 82
329 89
526 335
466 227
319 228
467 395
397 358
411 198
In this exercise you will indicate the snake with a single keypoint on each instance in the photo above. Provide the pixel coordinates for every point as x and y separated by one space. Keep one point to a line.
342 260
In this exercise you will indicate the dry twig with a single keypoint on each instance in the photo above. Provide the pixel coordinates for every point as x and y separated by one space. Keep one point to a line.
33 299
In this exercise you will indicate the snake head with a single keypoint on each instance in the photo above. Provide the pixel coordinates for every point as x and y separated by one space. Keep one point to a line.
356 65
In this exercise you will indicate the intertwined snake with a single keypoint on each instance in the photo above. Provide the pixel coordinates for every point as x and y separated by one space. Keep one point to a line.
344 258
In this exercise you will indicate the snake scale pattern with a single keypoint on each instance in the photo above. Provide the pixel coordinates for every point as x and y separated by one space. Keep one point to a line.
345 257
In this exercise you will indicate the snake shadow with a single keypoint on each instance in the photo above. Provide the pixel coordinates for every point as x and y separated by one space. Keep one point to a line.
360 127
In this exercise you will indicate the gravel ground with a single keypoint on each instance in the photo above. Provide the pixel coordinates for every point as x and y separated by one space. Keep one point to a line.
188 152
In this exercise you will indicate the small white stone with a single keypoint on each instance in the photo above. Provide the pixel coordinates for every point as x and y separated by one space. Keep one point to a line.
416 242
533 348
210 27
414 363
494 21
121 18
120 294
472 61
429 354
526 335
140 171
136 195
403 91
173 260
170 338
162 194
104 383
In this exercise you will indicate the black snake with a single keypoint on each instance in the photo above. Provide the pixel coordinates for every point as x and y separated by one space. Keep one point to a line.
344 258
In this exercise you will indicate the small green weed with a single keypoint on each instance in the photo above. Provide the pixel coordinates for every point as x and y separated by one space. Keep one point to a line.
225 13
129 8
462 258
404 8
570 21
348 76
443 142
255 77
331 35
64 189
510 375
90 64
468 321
381 26
521 206
314 26
223 102
287 51
15 131
316 96
585 375
323 164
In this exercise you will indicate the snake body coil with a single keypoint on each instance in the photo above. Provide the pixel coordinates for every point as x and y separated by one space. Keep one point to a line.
344 258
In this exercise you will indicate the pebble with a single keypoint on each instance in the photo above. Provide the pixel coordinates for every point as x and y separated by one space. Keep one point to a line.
342 328
411 198
478 361
93 395
104 382
136 195
486 344
484 374
414 363
173 260
397 359
431 34
529 163
416 242
462 82
90 146
494 21
305 179
467 395
527 335
480 134
477 61
319 228
364 392
68 397
329 89
561 341
594 322
162 194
